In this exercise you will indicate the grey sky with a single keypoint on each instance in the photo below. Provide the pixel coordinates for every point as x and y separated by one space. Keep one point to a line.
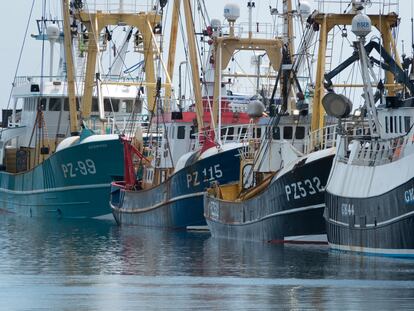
15 16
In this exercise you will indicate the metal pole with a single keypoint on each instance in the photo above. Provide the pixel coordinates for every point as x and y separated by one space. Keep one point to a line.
179 82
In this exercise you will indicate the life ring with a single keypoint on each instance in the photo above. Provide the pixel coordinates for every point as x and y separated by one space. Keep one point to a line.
398 149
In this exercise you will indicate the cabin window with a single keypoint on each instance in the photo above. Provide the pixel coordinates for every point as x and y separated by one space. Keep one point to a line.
395 125
128 105
111 105
287 132
66 104
407 124
300 132
258 132
391 125
95 104
400 124
181 132
230 133
242 132
276 133
192 132
55 104
224 133
386 124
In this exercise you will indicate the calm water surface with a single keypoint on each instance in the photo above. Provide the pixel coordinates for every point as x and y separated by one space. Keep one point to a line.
95 265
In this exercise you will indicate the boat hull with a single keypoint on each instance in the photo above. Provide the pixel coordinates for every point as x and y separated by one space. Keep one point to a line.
292 205
178 202
72 183
382 224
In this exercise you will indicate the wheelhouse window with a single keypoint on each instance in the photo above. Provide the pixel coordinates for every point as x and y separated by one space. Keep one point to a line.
129 104
400 124
287 132
257 132
276 133
66 104
192 132
95 104
181 132
230 133
407 123
242 131
386 124
55 104
391 125
300 132
395 125
111 105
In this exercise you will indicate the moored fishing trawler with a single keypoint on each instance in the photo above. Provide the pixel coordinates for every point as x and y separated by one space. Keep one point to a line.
369 194
57 161
283 201
170 196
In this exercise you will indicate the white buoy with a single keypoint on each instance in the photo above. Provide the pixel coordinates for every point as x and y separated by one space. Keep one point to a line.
215 23
361 25
255 109
304 8
215 26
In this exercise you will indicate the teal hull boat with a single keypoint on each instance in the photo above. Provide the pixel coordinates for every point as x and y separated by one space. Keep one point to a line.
74 182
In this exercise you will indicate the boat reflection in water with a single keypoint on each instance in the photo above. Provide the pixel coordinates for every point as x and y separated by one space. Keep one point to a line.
98 265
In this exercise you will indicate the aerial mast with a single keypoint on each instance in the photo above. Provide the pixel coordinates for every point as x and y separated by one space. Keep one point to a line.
74 129
193 61
172 47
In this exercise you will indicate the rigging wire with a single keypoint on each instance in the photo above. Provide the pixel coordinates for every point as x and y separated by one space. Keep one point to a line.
19 59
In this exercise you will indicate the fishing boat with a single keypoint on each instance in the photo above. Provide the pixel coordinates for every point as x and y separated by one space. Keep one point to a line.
369 194
59 144
283 202
173 197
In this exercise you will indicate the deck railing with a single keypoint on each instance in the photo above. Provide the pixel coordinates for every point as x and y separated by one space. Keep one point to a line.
22 80
372 151
326 137
118 6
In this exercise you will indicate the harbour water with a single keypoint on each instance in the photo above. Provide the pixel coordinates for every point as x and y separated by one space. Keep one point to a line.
96 265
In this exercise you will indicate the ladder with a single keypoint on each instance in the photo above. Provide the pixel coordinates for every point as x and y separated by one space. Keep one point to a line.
329 50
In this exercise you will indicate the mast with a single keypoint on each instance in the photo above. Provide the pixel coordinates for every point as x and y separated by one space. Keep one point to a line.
194 62
288 27
326 22
226 46
95 22
74 129
172 48
288 41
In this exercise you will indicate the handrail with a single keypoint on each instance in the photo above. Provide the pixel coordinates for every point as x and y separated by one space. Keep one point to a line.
21 80
116 6
326 137
363 151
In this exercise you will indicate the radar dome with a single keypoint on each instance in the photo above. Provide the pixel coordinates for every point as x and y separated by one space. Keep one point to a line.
304 8
231 12
215 23
53 32
361 25
255 109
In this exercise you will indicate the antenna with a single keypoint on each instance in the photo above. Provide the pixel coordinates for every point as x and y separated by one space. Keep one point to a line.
412 34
